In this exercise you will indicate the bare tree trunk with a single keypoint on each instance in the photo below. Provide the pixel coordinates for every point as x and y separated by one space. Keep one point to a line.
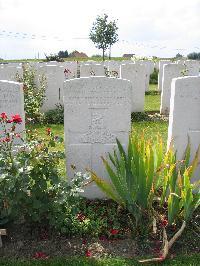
103 54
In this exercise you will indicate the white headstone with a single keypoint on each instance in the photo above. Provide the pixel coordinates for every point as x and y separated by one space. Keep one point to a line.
136 74
184 118
160 74
192 67
87 70
10 73
114 69
55 77
12 101
170 71
97 111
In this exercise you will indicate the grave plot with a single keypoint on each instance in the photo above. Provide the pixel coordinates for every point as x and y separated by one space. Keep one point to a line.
97 111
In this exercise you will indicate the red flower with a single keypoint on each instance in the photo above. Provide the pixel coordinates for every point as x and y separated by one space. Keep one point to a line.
88 253
161 257
3 116
40 255
164 222
48 131
7 139
114 231
16 118
103 238
84 242
10 121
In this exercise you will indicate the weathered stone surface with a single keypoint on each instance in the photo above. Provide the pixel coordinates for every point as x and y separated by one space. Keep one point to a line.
170 71
136 73
12 100
97 111
192 67
87 70
184 118
55 77
10 72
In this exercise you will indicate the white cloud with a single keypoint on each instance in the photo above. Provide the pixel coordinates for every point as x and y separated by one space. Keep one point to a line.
143 24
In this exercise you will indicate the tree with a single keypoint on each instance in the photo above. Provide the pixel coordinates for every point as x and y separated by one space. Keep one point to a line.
179 55
104 33
194 56
63 54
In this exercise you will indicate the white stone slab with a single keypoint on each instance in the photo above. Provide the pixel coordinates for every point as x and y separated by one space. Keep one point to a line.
160 74
55 77
87 70
170 71
184 118
97 111
10 73
12 101
136 74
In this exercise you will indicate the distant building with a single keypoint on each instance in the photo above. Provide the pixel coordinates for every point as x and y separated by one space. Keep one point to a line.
128 55
78 54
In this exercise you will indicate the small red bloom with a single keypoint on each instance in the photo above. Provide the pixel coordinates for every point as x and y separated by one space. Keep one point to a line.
17 135
7 139
114 231
48 131
17 118
84 242
88 253
40 255
103 238
9 120
3 116
164 222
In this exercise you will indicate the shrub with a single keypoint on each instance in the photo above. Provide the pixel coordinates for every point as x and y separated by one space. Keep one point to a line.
154 77
55 116
53 57
33 95
31 186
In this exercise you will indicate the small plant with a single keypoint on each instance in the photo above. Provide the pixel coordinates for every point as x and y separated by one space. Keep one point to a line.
31 186
134 176
33 95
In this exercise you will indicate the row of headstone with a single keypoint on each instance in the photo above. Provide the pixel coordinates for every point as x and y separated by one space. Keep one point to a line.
174 70
98 110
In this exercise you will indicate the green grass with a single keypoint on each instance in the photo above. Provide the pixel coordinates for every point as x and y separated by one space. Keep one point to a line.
76 261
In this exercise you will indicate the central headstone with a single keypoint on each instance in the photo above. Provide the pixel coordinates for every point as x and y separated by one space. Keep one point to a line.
97 111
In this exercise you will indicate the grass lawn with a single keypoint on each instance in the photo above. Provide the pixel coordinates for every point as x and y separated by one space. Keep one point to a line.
75 261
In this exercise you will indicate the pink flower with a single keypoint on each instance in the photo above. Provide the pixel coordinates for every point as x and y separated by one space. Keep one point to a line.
40 255
3 116
88 253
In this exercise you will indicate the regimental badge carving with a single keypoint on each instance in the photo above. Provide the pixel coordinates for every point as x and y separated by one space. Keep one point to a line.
97 132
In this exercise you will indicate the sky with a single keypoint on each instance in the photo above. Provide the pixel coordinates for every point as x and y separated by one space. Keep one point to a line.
33 28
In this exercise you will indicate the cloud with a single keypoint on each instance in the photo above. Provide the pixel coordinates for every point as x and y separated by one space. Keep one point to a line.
158 23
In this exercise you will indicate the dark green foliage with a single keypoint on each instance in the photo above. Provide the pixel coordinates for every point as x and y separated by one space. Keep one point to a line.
55 116
53 57
63 54
194 56
154 77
